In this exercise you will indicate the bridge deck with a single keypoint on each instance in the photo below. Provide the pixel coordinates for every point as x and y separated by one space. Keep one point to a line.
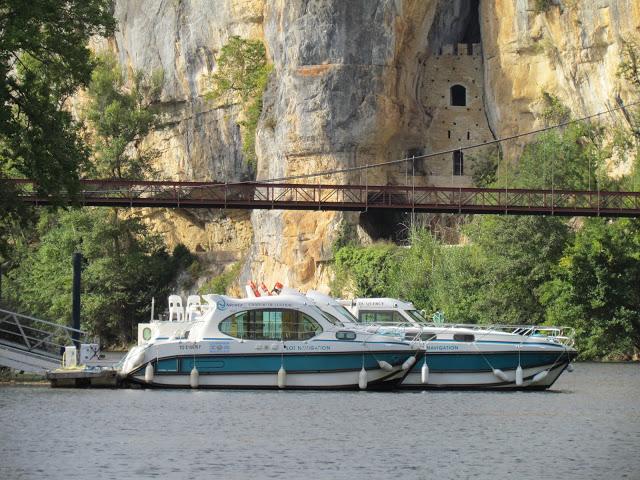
296 196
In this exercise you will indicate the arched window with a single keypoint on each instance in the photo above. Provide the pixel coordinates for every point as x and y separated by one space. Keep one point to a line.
458 162
458 96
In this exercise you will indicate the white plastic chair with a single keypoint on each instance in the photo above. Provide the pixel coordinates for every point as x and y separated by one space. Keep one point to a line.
175 308
193 307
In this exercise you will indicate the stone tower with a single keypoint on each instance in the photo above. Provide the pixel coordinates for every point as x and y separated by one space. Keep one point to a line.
452 93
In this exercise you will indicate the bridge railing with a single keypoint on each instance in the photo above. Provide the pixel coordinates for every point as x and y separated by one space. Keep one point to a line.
35 335
345 197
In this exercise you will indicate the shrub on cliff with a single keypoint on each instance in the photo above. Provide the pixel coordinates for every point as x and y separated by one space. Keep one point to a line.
241 76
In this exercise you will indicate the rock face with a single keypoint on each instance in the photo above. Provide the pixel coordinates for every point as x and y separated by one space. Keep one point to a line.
354 83
345 92
571 50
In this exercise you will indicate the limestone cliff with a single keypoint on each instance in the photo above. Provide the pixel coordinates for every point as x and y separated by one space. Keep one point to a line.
357 82
570 49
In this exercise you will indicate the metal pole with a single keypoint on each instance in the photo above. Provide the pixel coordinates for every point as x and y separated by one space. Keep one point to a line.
75 308
153 305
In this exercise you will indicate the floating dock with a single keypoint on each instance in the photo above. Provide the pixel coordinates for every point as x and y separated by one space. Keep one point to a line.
84 378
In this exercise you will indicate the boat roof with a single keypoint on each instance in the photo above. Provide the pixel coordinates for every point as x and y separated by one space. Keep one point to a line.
223 302
377 303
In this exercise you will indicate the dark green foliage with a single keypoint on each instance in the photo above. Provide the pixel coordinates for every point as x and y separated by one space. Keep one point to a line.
597 288
44 58
485 168
124 267
555 111
221 283
571 159
517 258
241 77
119 114
368 271
541 6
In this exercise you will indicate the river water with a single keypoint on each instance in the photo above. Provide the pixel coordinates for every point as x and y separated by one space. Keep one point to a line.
587 426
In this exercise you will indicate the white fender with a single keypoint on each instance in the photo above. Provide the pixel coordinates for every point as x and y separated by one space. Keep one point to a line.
538 377
362 379
282 377
424 373
519 376
500 374
194 378
148 373
385 365
408 363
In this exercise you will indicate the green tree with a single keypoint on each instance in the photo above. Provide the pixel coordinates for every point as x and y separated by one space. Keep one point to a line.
44 58
368 270
571 159
517 257
241 76
120 115
596 288
124 267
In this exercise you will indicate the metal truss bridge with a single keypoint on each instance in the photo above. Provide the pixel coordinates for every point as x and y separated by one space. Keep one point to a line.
323 197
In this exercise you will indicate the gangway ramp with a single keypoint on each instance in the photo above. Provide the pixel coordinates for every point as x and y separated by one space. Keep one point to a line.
31 344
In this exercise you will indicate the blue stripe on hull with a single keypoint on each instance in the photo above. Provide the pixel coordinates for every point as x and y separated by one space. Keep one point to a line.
475 362
270 363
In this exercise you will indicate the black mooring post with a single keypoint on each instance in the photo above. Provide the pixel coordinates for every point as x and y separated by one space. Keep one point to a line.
75 306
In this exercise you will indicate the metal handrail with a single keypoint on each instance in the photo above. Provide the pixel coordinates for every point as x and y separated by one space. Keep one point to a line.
36 335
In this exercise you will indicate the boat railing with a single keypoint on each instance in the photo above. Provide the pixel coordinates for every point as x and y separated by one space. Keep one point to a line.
559 334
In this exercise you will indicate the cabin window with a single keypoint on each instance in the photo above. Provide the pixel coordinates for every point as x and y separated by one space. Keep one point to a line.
458 162
272 324
464 337
458 96
167 365
381 316
333 320
345 335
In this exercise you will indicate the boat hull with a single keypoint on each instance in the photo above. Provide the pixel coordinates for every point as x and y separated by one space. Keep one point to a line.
338 371
475 369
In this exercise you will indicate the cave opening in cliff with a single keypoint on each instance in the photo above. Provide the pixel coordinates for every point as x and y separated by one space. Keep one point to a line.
471 33
386 225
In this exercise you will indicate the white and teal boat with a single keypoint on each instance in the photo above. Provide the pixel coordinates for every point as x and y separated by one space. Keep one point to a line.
463 356
282 342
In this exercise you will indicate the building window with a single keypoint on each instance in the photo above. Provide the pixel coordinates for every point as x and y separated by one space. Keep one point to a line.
458 96
458 162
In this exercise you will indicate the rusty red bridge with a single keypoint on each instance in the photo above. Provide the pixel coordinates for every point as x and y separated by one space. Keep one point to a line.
323 197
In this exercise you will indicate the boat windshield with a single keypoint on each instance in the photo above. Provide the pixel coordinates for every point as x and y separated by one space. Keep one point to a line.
347 314
416 316
327 316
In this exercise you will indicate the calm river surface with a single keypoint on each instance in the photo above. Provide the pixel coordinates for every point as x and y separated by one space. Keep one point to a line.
588 426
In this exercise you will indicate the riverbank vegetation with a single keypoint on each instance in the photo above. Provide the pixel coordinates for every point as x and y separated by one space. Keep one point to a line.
124 263
583 273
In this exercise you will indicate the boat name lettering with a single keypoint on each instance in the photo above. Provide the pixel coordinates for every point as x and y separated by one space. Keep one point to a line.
192 346
307 347
442 347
